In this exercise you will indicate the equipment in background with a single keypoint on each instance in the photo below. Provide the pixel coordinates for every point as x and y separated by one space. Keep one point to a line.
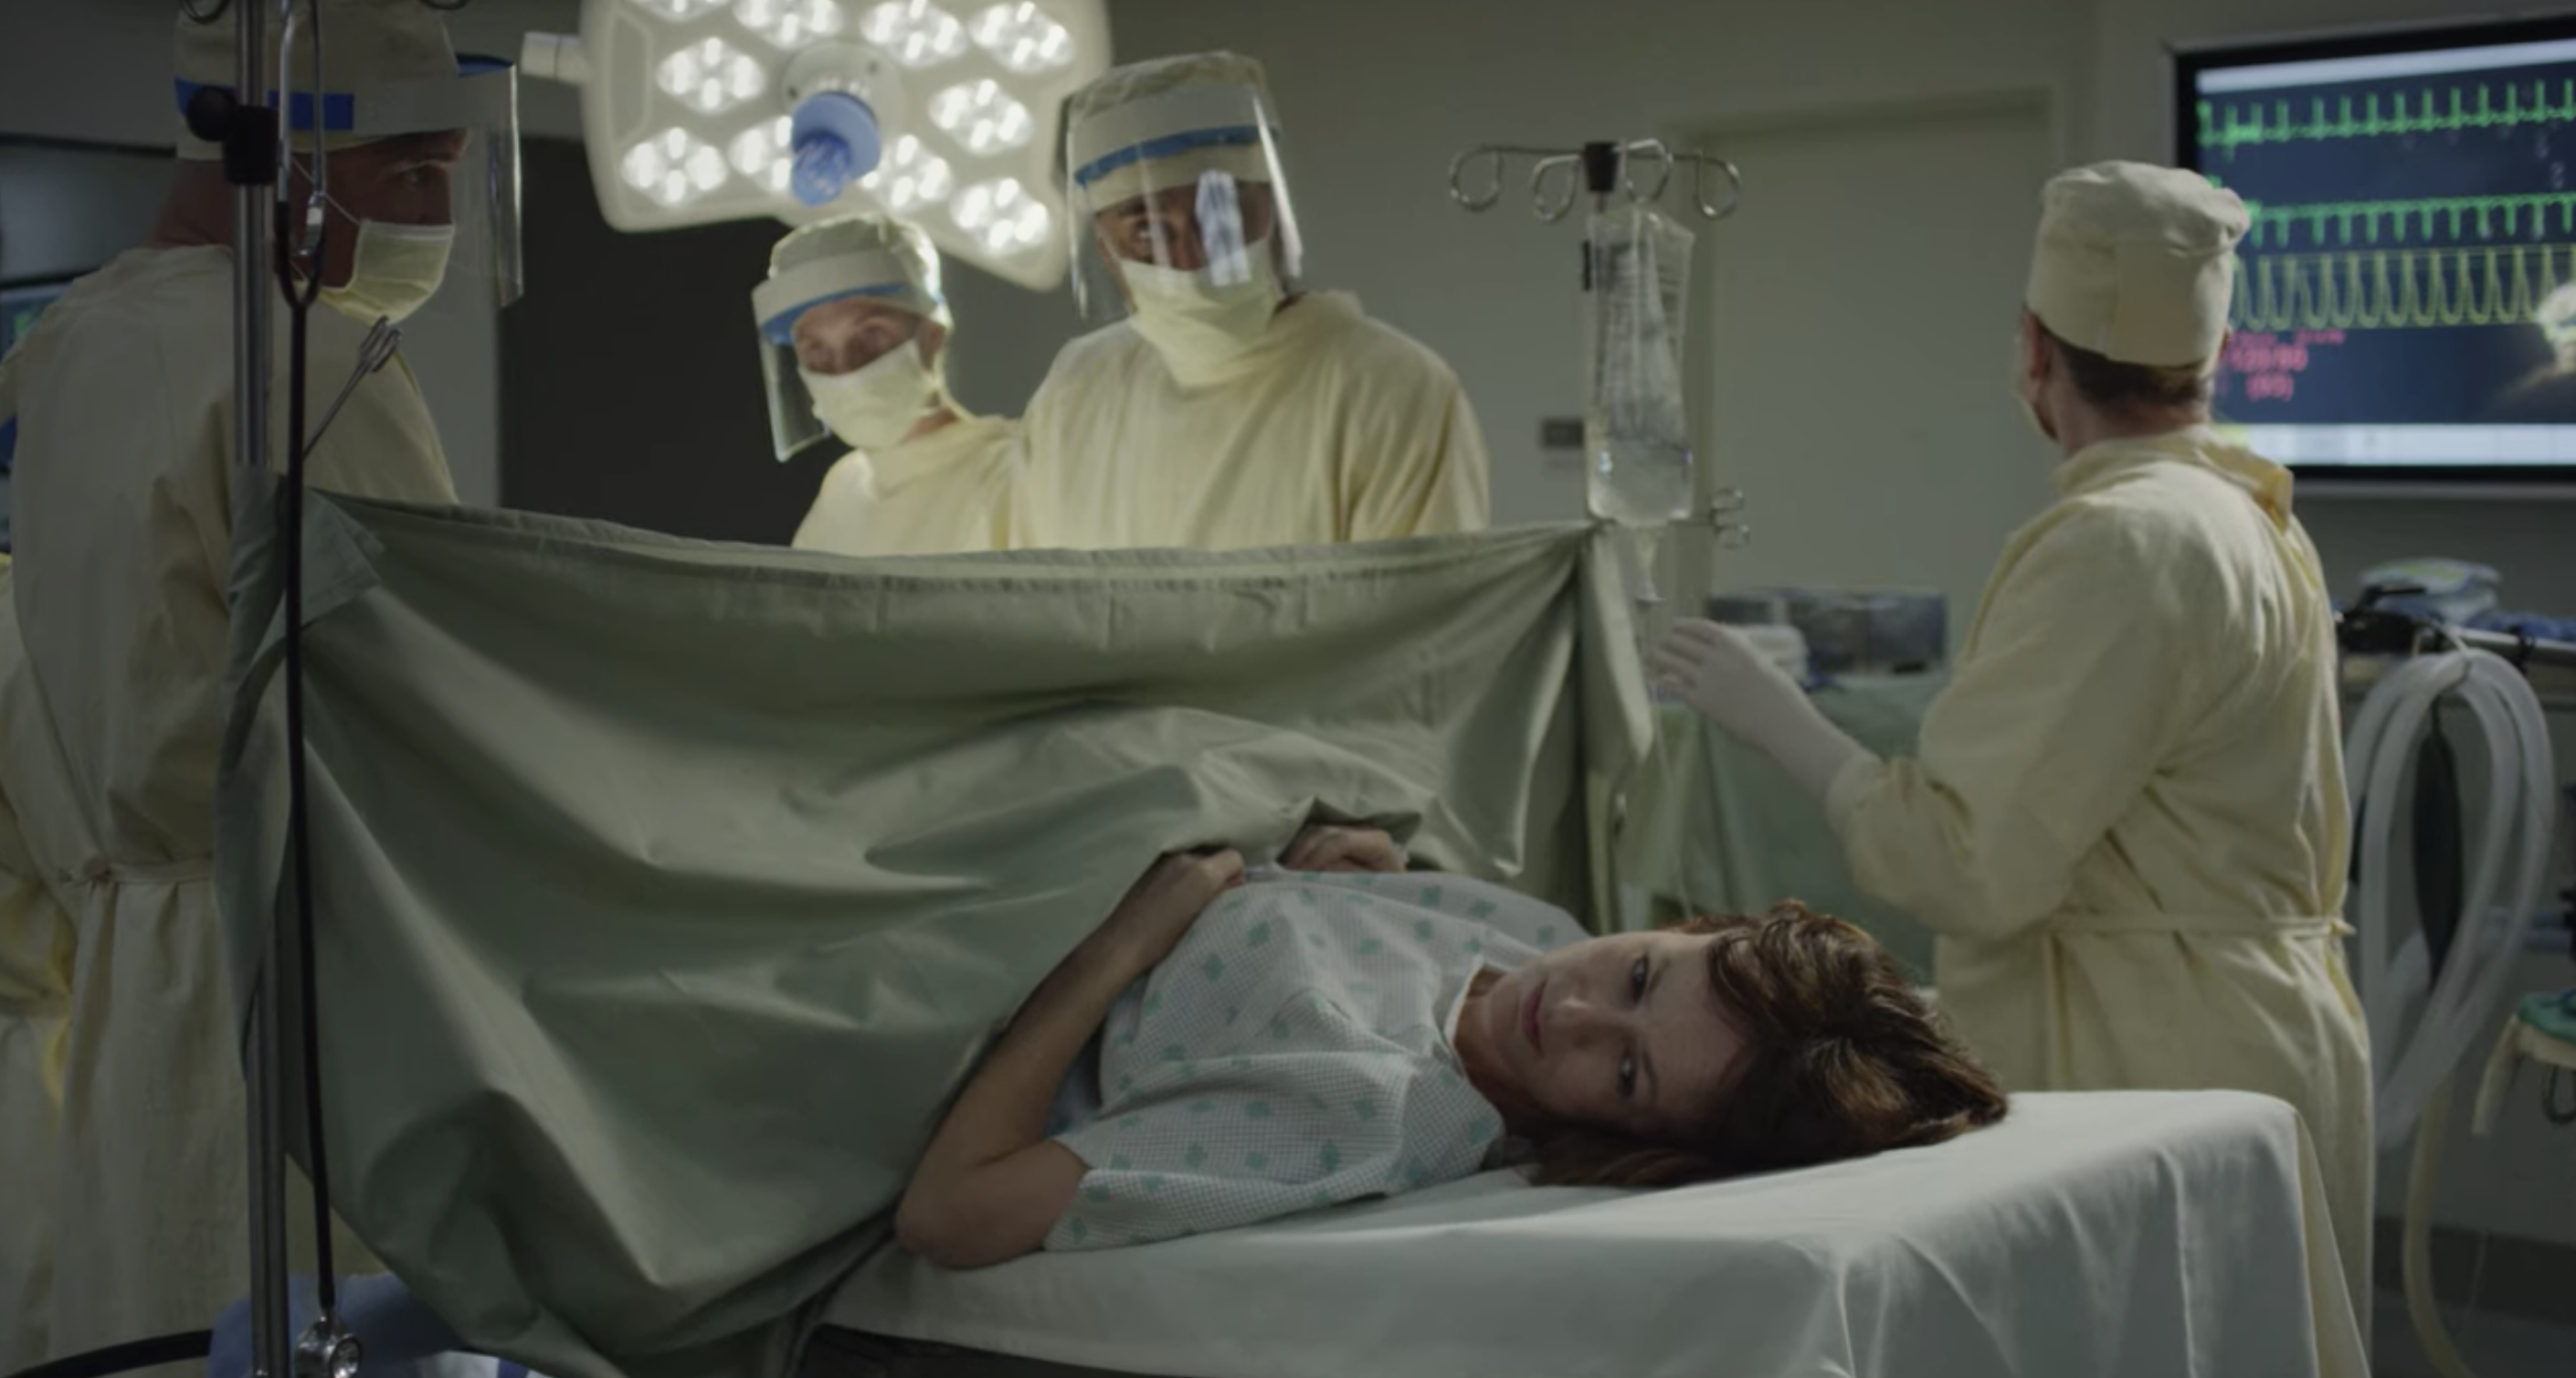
1849 631
696 111
2453 591
2474 896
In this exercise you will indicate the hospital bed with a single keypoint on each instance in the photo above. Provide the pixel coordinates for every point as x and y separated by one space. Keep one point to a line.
2100 1235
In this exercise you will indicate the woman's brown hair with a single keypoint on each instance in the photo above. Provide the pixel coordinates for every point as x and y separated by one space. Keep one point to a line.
1842 1059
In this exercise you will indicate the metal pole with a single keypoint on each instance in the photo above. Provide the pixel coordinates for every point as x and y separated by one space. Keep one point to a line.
2559 654
271 1322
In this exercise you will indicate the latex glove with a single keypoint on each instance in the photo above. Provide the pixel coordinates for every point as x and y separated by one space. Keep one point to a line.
1723 676
398 1336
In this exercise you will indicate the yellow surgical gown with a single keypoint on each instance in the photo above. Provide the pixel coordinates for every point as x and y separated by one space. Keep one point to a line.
2127 822
944 493
1333 428
111 706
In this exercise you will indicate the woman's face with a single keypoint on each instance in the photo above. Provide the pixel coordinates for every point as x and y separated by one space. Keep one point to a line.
1622 1033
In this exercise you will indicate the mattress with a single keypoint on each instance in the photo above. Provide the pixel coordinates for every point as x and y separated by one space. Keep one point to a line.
2133 1233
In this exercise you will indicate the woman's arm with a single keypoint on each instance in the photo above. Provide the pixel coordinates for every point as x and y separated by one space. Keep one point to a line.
992 1184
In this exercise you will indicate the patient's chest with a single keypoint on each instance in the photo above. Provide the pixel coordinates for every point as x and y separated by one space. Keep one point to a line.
1293 1052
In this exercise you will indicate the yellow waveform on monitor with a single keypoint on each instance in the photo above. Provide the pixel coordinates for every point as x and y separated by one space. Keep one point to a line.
2398 289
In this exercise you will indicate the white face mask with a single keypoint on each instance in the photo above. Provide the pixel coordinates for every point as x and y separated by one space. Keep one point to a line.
394 272
874 407
1200 326
2025 396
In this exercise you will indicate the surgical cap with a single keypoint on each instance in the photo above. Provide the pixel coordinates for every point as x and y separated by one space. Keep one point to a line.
1161 103
850 256
2136 263
367 45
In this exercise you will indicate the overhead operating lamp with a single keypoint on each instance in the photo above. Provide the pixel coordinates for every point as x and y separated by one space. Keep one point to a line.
943 112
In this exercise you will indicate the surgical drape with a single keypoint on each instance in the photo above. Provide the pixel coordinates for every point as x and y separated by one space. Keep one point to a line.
665 891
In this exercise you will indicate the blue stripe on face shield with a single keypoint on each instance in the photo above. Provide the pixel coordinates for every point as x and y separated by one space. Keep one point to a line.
339 108
1170 145
781 328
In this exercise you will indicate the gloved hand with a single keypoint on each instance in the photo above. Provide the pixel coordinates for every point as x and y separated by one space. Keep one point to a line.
398 1335
1722 675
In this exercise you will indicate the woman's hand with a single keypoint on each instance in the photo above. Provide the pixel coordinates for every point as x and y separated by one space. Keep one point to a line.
1333 847
1160 908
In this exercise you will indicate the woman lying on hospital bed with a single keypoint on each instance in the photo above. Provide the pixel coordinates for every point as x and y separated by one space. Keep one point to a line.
1228 1047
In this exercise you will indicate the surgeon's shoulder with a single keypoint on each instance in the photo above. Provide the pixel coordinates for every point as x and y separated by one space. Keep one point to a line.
2144 539
1113 348
1368 351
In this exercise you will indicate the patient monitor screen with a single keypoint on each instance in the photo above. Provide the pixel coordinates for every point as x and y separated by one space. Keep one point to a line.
2406 298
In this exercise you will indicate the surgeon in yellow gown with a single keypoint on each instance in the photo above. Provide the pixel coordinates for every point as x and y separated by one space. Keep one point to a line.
1230 408
121 1109
854 331
2127 819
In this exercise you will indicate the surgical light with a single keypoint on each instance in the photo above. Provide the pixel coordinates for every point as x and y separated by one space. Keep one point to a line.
1002 215
680 11
760 153
916 32
1022 38
981 117
789 24
946 112
910 177
673 167
711 78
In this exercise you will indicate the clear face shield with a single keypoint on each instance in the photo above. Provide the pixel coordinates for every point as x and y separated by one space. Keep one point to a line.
1179 207
848 349
420 186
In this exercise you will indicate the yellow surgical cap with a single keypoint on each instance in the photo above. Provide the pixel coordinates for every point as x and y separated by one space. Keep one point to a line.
2136 263
367 45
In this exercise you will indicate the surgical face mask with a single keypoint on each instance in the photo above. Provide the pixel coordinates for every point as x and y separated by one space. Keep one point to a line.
2021 394
395 270
874 407
1202 327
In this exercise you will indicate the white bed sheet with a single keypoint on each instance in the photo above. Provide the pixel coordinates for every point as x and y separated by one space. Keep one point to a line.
2148 1233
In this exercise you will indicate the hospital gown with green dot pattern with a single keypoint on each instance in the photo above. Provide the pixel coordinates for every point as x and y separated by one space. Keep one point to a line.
1293 1052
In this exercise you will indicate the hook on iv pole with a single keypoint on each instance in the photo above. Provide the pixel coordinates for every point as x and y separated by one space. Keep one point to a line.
1557 177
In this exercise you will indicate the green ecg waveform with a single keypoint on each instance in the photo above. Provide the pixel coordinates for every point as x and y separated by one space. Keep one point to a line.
2491 219
2383 289
2426 112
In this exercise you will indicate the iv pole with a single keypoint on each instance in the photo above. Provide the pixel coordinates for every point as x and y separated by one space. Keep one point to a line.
1604 168
1599 169
251 140
247 123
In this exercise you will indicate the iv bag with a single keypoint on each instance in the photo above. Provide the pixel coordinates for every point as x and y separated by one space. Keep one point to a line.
1636 425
